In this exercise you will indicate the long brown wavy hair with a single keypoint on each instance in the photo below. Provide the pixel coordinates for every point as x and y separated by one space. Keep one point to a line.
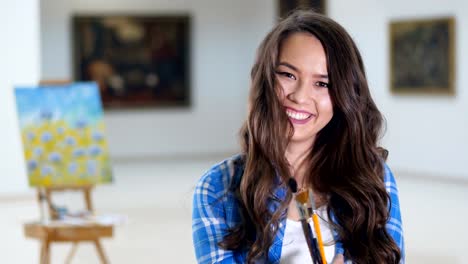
345 164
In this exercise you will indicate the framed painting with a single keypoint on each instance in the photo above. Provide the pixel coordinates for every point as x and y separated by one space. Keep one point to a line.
63 135
287 6
137 61
422 56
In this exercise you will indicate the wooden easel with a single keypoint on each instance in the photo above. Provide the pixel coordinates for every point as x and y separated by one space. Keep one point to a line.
54 231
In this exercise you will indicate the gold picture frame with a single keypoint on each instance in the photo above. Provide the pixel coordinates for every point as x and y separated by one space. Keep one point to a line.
422 56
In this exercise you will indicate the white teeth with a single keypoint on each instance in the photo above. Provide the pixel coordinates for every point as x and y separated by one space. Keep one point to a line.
298 116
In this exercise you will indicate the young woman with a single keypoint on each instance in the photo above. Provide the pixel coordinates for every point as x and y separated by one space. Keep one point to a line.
311 117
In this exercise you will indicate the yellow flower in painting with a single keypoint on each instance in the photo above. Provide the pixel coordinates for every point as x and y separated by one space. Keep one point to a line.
59 154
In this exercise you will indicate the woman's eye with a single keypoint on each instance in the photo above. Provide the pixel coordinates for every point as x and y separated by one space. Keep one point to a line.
287 75
322 84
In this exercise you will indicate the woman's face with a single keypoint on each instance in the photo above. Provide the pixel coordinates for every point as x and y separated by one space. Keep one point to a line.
303 82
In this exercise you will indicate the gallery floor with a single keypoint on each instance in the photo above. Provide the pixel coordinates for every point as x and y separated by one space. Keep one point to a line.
156 198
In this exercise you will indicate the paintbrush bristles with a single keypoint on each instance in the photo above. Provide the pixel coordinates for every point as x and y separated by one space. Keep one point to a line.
302 197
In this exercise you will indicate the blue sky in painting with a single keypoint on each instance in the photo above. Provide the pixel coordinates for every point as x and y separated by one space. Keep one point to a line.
75 103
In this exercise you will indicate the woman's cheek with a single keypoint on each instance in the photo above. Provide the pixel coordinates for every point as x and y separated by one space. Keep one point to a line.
285 87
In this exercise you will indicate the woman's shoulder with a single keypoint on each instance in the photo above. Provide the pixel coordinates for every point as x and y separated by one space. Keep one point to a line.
222 175
389 180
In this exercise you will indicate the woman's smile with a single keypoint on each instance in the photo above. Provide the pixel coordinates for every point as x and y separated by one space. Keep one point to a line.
297 116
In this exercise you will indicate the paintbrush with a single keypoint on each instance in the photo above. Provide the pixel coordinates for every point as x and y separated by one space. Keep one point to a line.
303 199
315 220
299 198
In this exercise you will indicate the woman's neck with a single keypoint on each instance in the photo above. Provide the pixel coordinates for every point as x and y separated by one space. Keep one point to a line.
296 154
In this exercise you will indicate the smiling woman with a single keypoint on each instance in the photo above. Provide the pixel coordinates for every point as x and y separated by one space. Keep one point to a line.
302 80
312 131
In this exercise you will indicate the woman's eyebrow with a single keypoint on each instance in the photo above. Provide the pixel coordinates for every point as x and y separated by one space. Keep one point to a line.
321 76
292 67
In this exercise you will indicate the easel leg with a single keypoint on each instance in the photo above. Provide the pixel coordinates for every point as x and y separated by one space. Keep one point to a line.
72 253
42 257
100 251
45 252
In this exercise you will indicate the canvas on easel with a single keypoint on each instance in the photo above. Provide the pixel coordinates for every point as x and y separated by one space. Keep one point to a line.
63 135
65 149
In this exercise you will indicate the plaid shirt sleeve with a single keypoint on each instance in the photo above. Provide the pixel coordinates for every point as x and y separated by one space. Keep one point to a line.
209 222
394 225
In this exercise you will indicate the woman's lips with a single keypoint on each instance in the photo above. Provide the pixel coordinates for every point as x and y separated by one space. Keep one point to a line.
298 116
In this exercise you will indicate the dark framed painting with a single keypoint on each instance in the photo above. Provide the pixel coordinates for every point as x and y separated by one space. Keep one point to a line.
137 61
287 6
422 56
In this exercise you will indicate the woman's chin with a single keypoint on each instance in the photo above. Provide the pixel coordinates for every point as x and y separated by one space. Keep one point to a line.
299 138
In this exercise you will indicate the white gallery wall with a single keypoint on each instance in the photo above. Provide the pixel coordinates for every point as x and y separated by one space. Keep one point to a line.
426 135
224 37
19 64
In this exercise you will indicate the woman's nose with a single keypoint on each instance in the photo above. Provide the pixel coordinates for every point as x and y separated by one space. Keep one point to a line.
300 93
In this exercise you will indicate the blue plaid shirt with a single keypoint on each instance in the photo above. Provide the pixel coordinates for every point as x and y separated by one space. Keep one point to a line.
215 210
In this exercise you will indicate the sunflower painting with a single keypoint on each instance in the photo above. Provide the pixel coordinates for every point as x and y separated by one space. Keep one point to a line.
62 132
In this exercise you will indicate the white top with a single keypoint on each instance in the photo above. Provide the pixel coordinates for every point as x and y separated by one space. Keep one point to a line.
295 248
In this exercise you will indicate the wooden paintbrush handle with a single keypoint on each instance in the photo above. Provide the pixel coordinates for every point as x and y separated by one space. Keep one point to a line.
308 237
319 237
